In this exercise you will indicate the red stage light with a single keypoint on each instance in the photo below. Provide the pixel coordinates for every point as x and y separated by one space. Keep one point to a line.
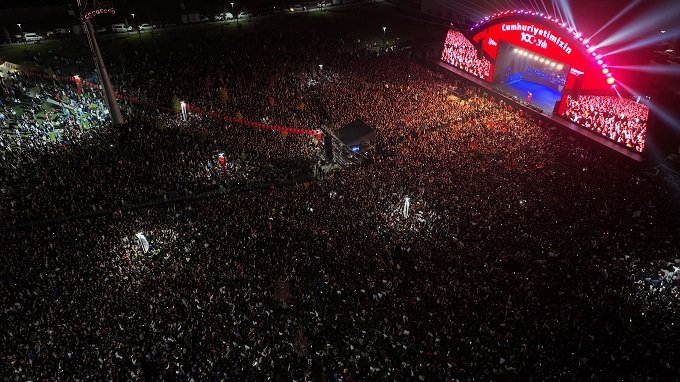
610 80
605 71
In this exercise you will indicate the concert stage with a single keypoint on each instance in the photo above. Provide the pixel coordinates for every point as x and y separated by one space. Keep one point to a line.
537 60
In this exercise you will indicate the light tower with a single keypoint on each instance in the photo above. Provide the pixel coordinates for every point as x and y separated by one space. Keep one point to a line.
89 9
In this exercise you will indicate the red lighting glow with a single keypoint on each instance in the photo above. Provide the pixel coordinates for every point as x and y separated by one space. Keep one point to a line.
610 80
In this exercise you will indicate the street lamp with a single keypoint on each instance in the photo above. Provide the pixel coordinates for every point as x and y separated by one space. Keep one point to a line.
234 13
384 30
134 23
21 32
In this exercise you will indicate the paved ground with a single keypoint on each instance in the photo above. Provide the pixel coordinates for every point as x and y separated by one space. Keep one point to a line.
363 20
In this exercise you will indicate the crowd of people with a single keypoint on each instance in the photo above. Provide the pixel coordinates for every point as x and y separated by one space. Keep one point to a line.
35 112
621 119
459 52
554 77
524 256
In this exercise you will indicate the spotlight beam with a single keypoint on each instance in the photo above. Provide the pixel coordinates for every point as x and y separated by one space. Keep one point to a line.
566 9
618 16
557 10
651 21
651 40
545 8
496 5
533 5
656 109
656 69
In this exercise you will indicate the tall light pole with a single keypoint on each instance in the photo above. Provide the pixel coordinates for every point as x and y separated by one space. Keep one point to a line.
134 23
384 30
109 96
21 33
234 13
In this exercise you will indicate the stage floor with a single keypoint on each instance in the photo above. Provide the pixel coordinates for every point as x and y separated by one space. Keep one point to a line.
543 96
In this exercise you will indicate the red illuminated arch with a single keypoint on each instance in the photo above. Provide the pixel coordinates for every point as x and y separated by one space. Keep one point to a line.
546 36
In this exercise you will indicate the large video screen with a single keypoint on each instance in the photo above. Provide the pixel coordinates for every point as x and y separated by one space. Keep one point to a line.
621 119
459 52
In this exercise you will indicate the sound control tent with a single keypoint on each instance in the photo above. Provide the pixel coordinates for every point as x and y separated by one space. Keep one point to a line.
356 134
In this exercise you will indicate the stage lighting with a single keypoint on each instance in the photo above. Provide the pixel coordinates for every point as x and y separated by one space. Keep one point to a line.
531 56
560 67
514 50
547 62
552 64
542 60
599 62
605 71
536 58
610 80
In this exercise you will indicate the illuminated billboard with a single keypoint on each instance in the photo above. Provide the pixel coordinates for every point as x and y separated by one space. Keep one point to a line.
540 59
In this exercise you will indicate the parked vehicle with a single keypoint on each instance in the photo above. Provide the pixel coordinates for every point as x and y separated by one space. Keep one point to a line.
58 32
146 27
224 16
120 28
32 37
244 15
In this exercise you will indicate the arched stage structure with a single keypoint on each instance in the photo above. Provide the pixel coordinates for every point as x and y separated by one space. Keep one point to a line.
540 59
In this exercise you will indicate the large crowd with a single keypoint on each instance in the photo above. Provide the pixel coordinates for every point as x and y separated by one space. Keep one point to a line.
459 52
621 119
524 256
35 112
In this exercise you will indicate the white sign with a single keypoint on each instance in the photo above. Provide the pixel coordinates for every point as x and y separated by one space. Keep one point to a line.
536 36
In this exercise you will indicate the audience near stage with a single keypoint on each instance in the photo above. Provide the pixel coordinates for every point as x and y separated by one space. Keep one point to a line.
620 119
459 52
524 257
555 78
